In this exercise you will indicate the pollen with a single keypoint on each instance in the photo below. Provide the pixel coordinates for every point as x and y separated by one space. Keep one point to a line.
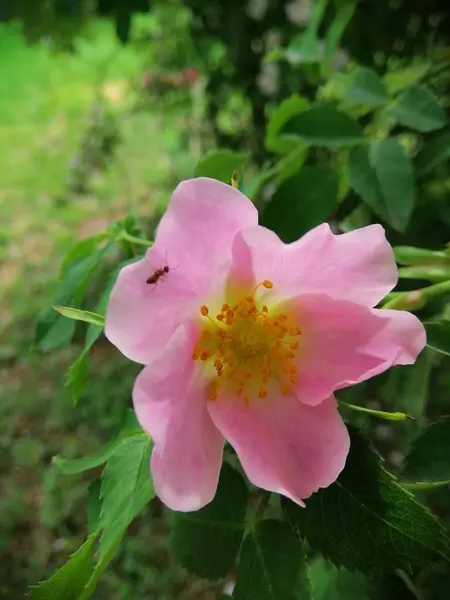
250 348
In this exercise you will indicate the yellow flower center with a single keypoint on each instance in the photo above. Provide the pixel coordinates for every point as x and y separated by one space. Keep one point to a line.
250 347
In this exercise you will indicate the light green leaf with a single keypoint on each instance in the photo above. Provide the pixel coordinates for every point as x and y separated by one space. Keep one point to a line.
291 164
126 489
82 249
70 580
435 151
272 565
291 106
335 32
324 126
438 335
399 79
206 542
72 466
411 255
418 109
81 315
381 414
220 164
330 583
366 88
367 521
302 202
428 463
396 181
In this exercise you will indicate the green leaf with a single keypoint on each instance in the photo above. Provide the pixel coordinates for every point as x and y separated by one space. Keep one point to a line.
331 583
428 463
398 80
384 179
435 151
94 505
418 109
438 335
366 88
126 489
53 330
206 542
70 580
272 565
82 249
291 106
291 164
220 164
367 521
335 32
324 126
72 466
81 315
302 202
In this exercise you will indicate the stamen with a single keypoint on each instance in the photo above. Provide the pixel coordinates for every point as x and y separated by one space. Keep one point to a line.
204 310
262 392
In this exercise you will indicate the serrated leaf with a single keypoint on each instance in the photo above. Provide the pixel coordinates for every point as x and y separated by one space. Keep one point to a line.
72 466
438 335
302 202
435 151
220 164
206 542
70 580
324 126
418 109
367 521
94 506
396 181
330 583
366 88
291 106
272 565
428 462
126 489
53 330
81 315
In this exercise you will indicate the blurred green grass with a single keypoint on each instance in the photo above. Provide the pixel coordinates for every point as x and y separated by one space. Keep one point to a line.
65 118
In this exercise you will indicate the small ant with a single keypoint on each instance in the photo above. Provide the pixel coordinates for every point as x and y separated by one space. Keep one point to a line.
157 275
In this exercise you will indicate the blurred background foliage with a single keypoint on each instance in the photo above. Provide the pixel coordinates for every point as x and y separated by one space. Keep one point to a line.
104 106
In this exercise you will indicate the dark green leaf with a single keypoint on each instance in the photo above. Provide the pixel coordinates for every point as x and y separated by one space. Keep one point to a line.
126 489
438 335
72 466
70 580
94 505
396 180
206 542
364 181
272 565
366 88
291 164
399 79
367 521
324 126
419 109
82 249
435 151
220 164
330 583
302 202
280 116
428 462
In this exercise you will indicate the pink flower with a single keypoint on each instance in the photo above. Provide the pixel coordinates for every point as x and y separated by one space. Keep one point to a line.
246 339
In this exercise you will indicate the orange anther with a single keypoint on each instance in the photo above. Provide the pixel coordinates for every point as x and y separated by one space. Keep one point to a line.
204 310
204 355
267 284
220 317
294 331
265 309
294 346
212 390
225 307
262 392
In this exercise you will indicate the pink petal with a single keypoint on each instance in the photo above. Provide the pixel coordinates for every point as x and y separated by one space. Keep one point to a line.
343 343
283 445
357 266
142 317
198 228
194 240
169 398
